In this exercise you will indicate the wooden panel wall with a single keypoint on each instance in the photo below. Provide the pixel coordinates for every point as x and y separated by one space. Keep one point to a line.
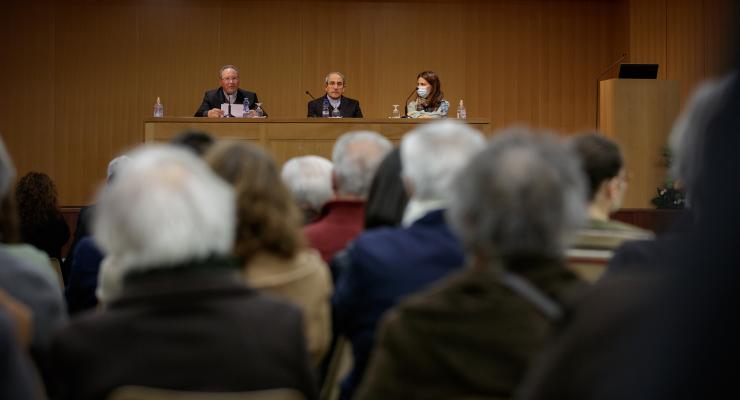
79 76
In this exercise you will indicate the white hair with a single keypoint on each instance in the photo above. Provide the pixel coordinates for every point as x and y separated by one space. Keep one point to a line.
165 208
309 178
356 157
432 154
688 136
7 170
523 194
116 164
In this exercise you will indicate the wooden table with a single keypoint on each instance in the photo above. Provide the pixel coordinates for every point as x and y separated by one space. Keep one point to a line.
287 138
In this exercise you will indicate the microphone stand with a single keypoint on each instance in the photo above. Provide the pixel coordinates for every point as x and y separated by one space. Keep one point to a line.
598 89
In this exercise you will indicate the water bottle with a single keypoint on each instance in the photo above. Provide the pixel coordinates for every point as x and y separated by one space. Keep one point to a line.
325 109
158 109
461 113
335 113
245 114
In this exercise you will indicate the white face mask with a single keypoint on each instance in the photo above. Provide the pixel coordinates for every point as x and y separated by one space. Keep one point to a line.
422 91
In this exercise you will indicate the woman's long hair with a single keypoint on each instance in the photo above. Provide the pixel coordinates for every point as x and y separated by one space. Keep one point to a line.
433 99
268 218
36 197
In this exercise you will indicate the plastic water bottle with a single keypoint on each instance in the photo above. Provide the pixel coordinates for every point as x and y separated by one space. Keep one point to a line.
461 113
325 109
335 113
158 109
245 113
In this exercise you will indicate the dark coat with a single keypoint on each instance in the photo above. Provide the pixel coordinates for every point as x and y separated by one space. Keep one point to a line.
214 98
470 337
348 108
186 328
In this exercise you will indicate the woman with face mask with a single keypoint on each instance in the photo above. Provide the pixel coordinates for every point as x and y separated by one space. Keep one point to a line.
429 102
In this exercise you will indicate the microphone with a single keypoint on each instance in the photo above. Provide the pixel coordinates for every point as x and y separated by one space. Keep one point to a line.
406 103
310 95
598 89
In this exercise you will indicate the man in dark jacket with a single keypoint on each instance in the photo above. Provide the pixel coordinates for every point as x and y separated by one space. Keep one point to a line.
334 85
229 92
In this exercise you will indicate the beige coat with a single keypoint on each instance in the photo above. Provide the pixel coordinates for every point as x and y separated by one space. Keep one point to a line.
305 280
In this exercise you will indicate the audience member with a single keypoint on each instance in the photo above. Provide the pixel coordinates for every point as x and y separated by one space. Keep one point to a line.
429 101
309 178
673 336
474 335
356 156
196 141
30 284
16 373
384 265
83 230
334 85
269 241
387 198
593 247
178 315
42 224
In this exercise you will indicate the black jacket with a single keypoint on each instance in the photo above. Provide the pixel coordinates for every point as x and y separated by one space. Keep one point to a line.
214 98
348 108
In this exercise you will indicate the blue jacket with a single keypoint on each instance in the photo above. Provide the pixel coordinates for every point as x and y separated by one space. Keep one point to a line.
384 266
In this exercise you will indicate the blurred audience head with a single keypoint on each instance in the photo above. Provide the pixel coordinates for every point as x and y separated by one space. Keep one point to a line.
523 195
9 223
36 196
268 219
309 179
164 209
602 163
356 156
196 141
432 154
387 198
116 164
687 141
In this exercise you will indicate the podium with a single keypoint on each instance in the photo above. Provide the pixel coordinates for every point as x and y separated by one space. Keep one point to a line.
638 114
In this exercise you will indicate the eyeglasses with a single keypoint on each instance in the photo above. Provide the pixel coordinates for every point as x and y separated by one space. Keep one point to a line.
337 84
230 79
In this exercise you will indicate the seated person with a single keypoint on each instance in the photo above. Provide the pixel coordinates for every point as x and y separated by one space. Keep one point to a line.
309 179
229 92
334 85
177 314
429 102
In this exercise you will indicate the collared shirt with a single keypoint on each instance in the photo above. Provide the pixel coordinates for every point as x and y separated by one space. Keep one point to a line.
334 103
231 98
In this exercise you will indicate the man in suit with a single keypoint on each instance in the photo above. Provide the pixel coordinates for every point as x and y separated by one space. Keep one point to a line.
229 92
334 85
177 314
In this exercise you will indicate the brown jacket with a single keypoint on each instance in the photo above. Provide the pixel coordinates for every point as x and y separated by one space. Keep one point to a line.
306 282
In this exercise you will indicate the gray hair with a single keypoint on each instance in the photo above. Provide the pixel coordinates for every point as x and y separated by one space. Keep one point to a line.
7 170
309 178
523 194
688 136
116 165
356 157
165 208
344 79
432 154
224 68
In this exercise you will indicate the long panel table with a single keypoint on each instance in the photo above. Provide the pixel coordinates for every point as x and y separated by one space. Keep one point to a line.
286 138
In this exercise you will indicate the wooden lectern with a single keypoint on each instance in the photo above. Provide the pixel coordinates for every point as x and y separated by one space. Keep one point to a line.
638 114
